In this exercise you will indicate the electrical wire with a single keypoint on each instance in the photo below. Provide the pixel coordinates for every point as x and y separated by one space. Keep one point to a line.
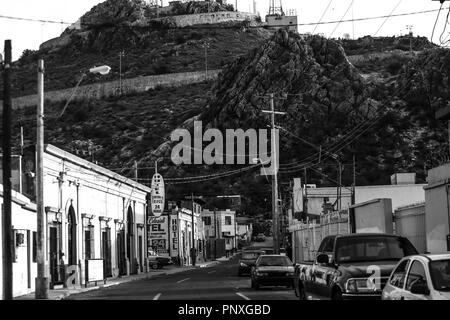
435 22
323 14
348 8
223 27
387 18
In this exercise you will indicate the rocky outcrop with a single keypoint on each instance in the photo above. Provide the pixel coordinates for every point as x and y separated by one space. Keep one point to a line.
113 12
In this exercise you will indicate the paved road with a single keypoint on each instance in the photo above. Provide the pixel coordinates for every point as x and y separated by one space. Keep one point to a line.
218 282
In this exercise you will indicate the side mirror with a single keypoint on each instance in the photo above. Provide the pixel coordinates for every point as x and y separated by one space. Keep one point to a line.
420 288
322 258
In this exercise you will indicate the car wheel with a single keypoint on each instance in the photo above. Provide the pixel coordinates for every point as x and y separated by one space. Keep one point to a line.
256 285
337 295
155 266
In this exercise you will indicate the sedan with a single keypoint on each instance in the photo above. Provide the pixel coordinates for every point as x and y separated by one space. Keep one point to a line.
420 277
272 270
248 260
156 261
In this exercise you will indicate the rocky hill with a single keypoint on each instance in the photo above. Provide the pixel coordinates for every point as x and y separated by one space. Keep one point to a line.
109 28
380 110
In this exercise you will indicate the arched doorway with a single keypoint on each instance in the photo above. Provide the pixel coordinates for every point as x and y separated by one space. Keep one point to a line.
130 240
72 236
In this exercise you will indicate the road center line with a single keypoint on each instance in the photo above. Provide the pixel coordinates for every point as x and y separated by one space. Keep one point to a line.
212 271
243 296
183 280
157 296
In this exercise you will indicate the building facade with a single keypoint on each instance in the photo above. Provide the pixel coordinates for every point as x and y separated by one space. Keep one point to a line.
221 224
91 214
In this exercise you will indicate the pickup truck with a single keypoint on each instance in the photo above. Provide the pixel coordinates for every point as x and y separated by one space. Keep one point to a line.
353 266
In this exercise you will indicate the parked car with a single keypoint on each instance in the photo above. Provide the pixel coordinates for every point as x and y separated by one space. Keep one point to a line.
260 237
354 266
420 277
248 260
272 270
156 261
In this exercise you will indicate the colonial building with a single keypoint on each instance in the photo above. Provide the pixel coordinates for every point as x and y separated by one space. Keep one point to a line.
221 224
91 213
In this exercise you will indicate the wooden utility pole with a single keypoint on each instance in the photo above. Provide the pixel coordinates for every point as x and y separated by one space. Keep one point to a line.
193 253
7 238
275 200
42 285
136 171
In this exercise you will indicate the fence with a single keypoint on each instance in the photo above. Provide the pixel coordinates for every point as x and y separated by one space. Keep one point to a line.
306 237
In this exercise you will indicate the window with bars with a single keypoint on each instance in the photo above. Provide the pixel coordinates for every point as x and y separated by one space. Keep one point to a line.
34 246
89 252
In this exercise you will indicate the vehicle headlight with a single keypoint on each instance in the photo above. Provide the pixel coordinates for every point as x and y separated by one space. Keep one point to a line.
262 274
243 264
361 285
289 274
351 286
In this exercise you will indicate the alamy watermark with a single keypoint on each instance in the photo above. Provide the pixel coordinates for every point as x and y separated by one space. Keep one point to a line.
237 147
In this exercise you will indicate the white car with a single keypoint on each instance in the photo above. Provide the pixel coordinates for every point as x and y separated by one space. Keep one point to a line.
420 277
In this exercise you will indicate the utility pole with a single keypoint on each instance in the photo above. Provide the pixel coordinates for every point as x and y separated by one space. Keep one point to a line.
7 239
206 45
121 55
305 209
193 253
409 27
136 170
275 200
42 279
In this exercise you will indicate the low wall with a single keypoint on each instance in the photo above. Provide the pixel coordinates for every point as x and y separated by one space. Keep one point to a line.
107 89
208 18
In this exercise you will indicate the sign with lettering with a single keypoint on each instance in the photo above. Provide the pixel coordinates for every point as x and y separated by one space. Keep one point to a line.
157 195
158 233
174 235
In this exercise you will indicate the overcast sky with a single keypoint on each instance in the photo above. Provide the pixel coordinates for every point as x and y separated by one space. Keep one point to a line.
29 35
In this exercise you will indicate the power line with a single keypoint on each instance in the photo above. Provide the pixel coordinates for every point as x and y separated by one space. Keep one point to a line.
348 8
435 22
223 26
387 18
323 14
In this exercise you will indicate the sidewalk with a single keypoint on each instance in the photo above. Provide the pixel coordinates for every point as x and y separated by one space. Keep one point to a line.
60 294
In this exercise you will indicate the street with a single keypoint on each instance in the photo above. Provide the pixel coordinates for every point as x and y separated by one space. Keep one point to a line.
218 282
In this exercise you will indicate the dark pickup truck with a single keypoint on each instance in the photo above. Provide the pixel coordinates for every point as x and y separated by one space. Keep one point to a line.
353 266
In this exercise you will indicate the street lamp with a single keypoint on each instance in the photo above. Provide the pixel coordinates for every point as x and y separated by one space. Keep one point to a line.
42 280
102 70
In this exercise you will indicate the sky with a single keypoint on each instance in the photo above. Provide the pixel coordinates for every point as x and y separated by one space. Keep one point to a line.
29 35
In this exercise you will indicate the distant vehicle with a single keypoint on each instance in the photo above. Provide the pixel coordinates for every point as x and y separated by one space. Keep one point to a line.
156 261
272 270
260 237
248 260
420 277
350 266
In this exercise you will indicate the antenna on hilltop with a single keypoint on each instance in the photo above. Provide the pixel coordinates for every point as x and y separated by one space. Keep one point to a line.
275 7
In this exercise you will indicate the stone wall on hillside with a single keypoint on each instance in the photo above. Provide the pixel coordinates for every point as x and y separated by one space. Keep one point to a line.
107 89
208 18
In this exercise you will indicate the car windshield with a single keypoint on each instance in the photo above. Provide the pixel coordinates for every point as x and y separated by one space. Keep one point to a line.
250 255
274 261
440 274
372 248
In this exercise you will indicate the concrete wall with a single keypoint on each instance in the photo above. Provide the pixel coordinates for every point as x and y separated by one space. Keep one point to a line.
409 222
23 218
437 209
400 195
208 18
107 89
374 216
277 22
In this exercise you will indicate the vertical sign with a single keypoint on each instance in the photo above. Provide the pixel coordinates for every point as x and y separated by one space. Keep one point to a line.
158 234
157 195
174 236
